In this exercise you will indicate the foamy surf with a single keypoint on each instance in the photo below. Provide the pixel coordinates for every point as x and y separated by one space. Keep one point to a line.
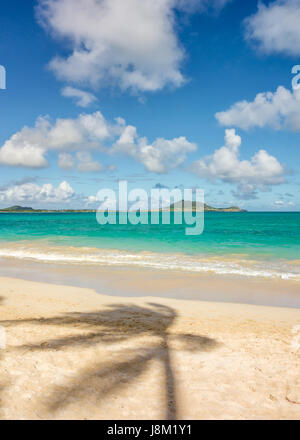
230 265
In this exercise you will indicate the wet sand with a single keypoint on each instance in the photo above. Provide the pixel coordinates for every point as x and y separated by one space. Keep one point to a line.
132 282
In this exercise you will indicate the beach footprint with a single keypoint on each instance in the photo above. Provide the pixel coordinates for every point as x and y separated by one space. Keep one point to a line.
293 393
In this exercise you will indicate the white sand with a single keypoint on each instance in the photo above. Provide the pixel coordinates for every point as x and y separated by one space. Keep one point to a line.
74 354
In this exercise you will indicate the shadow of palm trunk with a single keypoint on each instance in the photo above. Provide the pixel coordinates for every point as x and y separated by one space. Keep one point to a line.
170 387
2 388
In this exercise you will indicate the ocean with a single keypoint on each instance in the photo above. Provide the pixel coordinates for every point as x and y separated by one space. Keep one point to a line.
246 244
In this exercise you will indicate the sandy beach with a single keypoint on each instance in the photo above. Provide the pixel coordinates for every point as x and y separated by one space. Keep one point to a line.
72 353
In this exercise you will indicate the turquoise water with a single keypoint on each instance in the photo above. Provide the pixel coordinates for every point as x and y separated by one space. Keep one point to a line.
259 242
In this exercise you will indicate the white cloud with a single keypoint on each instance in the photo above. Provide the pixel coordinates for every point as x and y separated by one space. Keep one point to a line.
260 172
25 155
245 191
31 192
87 164
112 167
25 148
82 98
29 146
275 28
92 200
283 204
278 110
66 161
132 44
158 157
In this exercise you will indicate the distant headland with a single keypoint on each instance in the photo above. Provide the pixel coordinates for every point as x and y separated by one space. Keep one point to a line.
173 207
192 206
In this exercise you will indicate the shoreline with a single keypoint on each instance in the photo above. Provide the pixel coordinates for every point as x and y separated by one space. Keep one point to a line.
137 282
235 265
91 356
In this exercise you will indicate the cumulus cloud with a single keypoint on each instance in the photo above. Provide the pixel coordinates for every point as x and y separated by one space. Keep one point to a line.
278 110
17 183
66 161
31 192
132 43
25 148
275 27
29 146
91 200
82 98
245 191
24 155
260 172
158 157
87 164
280 204
87 132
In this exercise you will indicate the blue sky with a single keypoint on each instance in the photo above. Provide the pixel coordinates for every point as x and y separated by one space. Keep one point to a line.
174 75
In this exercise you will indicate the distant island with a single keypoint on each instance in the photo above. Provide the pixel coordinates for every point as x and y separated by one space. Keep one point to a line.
24 209
192 206
173 208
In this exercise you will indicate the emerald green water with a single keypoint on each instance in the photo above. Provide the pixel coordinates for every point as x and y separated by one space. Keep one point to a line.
271 240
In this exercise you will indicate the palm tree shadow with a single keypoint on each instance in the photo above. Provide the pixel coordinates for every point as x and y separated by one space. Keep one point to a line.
116 324
3 386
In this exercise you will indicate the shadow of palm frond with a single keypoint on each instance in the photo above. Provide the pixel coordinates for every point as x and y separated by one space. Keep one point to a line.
108 376
116 324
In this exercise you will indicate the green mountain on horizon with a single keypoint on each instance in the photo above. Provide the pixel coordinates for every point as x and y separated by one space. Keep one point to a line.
173 207
23 209
207 208
17 208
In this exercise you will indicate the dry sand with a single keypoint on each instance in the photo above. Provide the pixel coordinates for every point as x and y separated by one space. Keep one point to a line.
72 353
